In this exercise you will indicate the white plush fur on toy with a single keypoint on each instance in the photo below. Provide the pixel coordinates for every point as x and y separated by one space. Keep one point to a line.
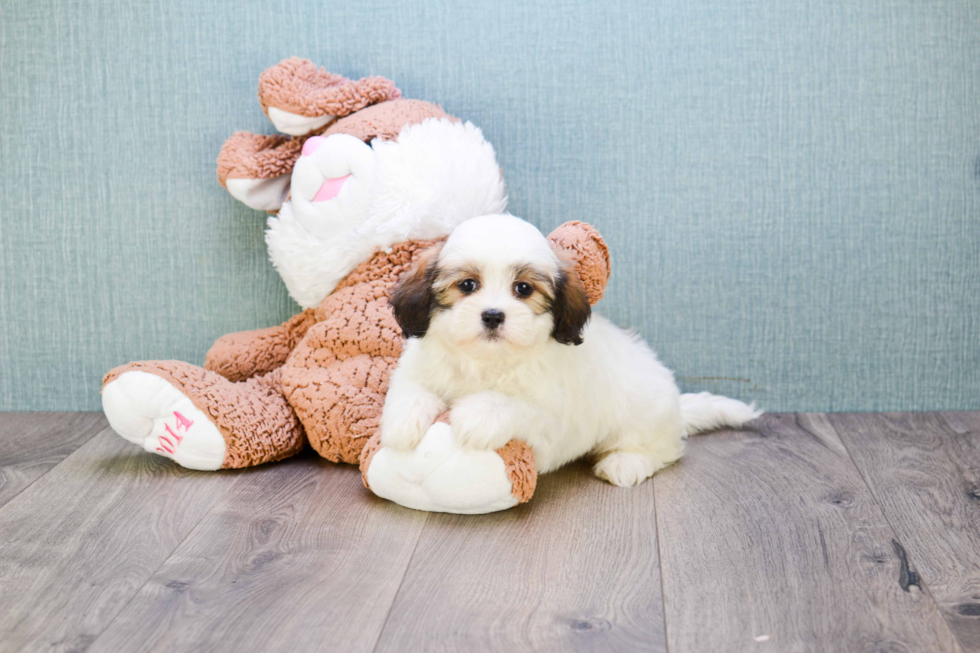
260 194
436 175
295 124
439 476
148 411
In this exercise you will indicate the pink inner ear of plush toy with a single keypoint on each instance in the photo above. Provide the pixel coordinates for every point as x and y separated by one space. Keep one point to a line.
330 189
312 144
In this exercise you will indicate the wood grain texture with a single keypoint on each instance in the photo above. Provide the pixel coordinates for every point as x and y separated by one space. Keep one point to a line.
768 541
33 443
924 470
771 537
299 557
575 569
77 544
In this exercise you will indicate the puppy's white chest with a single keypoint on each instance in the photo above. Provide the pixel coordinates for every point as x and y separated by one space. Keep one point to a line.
463 378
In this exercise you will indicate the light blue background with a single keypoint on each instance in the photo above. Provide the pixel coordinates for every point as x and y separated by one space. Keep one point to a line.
790 189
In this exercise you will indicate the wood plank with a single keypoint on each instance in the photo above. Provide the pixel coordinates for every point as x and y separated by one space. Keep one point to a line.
771 537
33 443
298 556
924 469
575 569
78 543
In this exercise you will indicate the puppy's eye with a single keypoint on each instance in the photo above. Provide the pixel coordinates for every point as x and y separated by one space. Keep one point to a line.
466 286
523 289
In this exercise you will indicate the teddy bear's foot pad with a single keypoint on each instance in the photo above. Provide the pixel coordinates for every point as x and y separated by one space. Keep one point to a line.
260 194
440 476
148 411
298 97
294 124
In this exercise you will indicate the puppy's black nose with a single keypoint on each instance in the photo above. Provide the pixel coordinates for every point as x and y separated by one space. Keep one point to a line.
492 318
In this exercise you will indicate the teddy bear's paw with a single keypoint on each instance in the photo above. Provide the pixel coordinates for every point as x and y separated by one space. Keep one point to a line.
255 168
295 124
148 411
440 476
260 194
332 184
300 98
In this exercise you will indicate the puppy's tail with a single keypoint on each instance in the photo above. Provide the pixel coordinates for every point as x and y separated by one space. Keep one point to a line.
705 412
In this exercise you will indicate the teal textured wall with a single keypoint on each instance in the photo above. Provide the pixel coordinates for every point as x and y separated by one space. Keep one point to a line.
790 189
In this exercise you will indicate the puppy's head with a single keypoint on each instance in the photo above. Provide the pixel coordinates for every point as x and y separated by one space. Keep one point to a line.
495 285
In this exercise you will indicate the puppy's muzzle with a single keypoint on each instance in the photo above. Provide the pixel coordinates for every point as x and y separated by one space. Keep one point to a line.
492 318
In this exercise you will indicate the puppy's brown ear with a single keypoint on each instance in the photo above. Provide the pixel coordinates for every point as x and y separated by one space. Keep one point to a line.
412 299
570 308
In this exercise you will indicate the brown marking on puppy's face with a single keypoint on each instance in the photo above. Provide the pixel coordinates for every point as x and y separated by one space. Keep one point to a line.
412 299
534 287
452 284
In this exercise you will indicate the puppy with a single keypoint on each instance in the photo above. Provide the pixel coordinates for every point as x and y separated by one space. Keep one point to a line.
500 332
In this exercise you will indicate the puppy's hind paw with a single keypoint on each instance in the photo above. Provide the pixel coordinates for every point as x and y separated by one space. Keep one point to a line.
627 468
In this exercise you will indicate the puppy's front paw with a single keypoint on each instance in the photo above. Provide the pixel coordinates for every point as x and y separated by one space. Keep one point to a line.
483 421
405 421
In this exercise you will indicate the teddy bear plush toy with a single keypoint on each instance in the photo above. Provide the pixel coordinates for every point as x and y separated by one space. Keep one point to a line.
361 182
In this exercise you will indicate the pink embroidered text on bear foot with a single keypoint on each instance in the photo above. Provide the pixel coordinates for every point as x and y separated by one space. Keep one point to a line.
165 444
146 409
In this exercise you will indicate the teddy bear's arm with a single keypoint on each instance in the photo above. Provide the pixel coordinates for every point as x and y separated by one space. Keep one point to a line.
255 168
239 356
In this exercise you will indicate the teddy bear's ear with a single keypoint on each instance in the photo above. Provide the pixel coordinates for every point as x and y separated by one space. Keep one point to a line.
582 245
256 169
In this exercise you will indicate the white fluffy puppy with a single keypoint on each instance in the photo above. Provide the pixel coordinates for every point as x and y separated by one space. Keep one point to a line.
500 332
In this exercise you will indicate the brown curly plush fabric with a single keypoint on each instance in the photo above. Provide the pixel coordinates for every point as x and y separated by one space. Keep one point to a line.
257 423
238 356
519 461
583 243
337 376
371 447
254 156
298 86
386 120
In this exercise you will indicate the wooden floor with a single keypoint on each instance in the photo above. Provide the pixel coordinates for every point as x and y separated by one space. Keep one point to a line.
809 533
